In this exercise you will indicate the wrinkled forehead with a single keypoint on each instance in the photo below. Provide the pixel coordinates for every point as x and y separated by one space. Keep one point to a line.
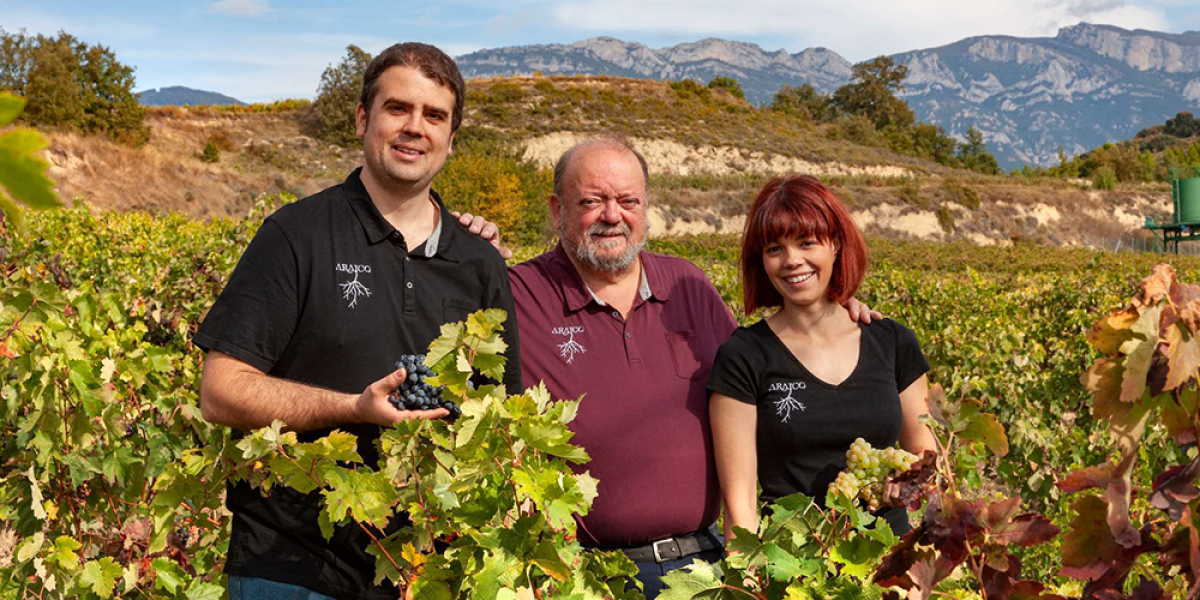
607 170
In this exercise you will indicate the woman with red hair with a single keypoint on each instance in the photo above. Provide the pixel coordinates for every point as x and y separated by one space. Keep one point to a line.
790 393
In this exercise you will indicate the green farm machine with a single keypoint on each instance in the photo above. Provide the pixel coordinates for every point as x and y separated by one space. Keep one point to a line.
1185 222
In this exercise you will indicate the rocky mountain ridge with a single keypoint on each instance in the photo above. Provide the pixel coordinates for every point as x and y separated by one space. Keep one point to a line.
1087 85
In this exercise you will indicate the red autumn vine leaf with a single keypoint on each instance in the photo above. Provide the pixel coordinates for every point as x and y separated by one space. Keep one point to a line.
1028 529
913 482
1175 488
1088 548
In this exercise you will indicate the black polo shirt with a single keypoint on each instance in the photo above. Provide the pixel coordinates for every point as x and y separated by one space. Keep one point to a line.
329 295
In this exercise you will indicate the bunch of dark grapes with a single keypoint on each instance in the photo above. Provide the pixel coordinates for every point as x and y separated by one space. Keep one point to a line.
415 394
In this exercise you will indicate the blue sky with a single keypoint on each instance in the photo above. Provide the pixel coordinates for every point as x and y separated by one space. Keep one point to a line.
261 50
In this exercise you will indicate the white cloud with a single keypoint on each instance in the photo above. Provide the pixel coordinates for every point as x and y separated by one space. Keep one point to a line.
240 7
857 29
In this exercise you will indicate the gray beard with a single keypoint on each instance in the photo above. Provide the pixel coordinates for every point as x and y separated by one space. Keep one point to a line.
586 253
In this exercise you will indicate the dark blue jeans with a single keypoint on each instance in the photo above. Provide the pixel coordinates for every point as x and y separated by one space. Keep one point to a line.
649 573
253 588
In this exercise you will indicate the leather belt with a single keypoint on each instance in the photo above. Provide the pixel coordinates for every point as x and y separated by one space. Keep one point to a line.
672 548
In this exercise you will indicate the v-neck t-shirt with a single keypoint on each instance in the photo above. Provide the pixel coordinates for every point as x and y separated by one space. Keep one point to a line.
805 424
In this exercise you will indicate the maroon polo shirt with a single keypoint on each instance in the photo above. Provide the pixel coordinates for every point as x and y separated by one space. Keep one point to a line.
644 414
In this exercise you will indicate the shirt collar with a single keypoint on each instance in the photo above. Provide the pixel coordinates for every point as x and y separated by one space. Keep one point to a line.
376 228
578 295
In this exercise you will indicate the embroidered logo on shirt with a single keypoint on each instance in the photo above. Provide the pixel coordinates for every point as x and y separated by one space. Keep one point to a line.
353 290
784 406
569 348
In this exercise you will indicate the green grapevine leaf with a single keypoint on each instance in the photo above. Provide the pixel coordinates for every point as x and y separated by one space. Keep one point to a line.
364 495
552 439
695 580
202 590
29 547
546 558
64 553
496 567
22 171
782 565
10 107
100 576
35 493
167 575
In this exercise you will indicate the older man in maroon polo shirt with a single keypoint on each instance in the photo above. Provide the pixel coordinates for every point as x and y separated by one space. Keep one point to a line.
636 333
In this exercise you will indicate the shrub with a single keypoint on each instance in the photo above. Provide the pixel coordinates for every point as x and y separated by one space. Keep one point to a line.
487 177
960 194
803 102
689 88
332 116
211 153
728 84
1104 178
945 218
857 129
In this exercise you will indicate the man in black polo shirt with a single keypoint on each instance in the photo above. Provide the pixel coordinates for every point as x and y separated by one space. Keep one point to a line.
331 291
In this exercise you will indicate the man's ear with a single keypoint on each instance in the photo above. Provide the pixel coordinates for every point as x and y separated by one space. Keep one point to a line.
555 208
450 147
360 120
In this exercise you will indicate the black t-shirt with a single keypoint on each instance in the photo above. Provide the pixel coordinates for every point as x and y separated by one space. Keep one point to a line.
329 295
805 425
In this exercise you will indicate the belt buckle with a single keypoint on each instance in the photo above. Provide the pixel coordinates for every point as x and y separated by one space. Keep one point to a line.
654 546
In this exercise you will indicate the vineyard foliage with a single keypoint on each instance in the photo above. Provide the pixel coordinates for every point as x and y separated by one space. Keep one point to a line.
111 485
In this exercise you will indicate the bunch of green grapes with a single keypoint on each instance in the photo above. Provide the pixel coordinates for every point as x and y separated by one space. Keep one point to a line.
866 470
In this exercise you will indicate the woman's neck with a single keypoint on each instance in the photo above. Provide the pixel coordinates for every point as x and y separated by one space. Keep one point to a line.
820 320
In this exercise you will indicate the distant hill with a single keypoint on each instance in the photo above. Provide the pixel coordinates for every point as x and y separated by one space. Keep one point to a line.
1088 85
178 95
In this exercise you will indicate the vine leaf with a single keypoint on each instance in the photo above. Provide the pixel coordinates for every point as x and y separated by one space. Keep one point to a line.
1183 356
695 580
1139 352
100 576
1175 488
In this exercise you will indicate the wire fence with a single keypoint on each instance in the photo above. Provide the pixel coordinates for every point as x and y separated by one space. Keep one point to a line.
1141 243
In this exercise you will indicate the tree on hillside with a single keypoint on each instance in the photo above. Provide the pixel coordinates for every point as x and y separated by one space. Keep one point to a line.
872 93
332 117
974 155
728 84
71 84
1182 125
803 102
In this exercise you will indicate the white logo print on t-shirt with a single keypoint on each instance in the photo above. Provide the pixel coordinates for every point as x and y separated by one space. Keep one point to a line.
569 348
784 406
352 290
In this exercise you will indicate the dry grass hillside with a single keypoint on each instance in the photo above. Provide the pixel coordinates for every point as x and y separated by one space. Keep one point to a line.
708 155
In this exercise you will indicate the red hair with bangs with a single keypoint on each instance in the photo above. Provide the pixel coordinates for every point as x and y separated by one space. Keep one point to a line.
800 207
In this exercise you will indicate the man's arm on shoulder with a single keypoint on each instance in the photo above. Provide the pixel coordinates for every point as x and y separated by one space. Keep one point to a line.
238 395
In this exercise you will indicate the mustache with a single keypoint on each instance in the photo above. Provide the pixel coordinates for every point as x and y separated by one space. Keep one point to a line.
602 229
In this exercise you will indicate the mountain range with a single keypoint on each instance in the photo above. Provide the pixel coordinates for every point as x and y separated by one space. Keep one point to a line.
1087 85
178 95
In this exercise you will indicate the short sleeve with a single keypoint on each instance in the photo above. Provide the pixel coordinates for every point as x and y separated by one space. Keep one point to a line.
910 361
502 298
733 372
256 314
